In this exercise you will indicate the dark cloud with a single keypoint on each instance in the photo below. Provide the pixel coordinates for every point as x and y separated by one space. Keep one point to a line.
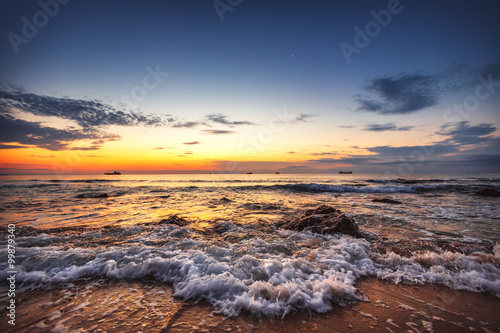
386 127
4 146
406 93
483 159
33 134
85 148
85 113
467 145
296 168
435 149
91 118
463 133
222 119
345 160
492 70
191 143
218 132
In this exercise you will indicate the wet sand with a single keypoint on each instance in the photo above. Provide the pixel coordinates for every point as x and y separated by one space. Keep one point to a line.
147 306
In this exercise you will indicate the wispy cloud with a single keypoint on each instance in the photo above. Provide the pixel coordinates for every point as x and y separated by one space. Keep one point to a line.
222 119
304 117
217 132
162 148
386 127
41 156
176 123
329 153
191 143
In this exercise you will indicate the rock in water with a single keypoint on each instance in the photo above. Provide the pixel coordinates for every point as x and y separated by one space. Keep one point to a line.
387 200
489 192
92 195
324 220
225 200
175 219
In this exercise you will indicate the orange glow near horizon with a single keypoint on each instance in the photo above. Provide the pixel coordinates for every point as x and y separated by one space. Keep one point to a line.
161 150
137 159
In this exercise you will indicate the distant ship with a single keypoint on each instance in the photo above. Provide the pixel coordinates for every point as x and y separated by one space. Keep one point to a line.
113 173
249 172
277 172
344 172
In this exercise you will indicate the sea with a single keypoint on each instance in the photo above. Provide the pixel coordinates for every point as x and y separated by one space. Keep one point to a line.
217 238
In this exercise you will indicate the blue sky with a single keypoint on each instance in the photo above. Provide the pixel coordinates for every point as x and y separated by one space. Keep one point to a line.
396 91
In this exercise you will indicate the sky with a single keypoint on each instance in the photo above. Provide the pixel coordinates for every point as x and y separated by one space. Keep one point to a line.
229 86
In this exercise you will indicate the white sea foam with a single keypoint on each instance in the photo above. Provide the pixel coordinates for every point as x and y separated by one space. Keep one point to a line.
366 189
253 274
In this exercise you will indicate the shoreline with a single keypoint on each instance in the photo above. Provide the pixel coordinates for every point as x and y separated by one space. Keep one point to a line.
148 306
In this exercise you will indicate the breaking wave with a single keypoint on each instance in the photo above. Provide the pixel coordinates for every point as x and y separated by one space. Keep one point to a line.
271 273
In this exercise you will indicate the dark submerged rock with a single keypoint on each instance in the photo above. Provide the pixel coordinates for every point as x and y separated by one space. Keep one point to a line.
324 220
175 219
387 200
488 192
92 195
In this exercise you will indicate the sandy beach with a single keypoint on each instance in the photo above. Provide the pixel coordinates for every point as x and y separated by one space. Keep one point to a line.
131 306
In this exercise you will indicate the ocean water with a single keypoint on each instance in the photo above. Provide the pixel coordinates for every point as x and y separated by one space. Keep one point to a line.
229 251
